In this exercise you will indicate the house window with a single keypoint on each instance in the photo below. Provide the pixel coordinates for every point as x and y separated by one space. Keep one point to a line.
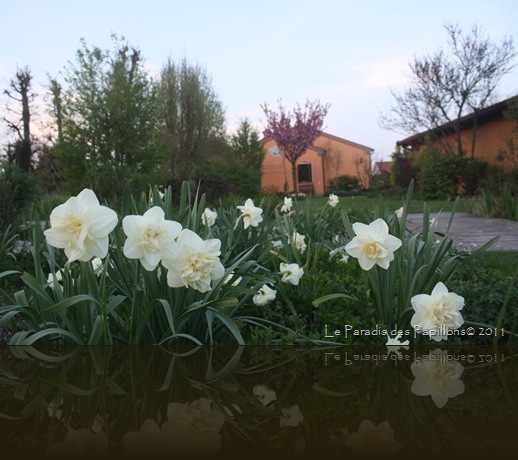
305 173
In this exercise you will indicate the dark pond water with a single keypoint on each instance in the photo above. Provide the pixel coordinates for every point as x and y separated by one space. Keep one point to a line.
259 402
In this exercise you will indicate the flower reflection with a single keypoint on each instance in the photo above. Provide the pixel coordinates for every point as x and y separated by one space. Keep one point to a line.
80 443
190 429
373 440
438 377
264 394
291 416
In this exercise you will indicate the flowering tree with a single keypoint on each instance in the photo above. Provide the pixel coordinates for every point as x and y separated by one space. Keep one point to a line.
295 132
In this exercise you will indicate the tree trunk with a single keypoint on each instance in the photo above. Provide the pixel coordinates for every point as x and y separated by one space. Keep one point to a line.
294 177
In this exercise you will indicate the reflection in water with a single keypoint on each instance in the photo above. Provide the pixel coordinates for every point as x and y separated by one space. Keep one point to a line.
263 401
190 429
438 376
373 440
80 443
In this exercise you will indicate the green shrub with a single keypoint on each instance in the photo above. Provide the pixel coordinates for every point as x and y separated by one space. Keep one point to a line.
443 176
17 190
345 183
403 170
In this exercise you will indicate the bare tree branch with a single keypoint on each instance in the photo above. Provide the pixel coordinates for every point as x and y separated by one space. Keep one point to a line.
446 85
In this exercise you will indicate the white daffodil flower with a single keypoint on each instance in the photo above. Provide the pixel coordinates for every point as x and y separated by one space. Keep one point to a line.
208 218
265 295
373 440
291 416
97 265
333 200
373 245
437 313
81 227
298 241
438 377
277 244
250 214
399 212
193 262
264 394
58 279
149 236
291 273
288 203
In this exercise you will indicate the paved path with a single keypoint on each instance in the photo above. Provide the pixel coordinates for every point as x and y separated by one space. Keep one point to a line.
467 230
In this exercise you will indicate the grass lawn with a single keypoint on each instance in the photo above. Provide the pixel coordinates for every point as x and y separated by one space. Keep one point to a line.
352 204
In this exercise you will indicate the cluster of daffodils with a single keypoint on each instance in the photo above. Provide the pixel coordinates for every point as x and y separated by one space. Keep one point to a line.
436 314
290 273
81 226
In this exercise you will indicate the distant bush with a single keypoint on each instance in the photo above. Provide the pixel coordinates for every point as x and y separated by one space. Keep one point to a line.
344 183
403 170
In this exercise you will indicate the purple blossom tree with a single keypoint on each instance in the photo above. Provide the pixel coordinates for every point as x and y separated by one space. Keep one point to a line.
295 132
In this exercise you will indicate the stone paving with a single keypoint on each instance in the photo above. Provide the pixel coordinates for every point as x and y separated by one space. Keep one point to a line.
468 230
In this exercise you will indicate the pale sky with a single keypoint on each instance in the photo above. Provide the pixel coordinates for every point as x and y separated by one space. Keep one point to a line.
346 53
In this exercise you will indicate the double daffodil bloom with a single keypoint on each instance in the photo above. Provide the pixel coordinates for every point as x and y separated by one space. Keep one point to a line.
437 313
373 245
149 236
193 262
81 227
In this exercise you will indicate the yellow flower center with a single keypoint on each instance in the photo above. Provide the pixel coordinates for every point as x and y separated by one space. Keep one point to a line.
198 267
150 239
372 250
441 312
75 227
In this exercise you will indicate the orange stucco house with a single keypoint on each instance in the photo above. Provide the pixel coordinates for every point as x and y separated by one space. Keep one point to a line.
496 138
328 158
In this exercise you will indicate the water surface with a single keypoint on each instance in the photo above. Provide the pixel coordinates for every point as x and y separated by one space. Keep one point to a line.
264 402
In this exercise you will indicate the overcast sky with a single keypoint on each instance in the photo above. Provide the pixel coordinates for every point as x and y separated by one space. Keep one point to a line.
346 53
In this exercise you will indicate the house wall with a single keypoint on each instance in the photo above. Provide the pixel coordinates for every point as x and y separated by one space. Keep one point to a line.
341 157
491 140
